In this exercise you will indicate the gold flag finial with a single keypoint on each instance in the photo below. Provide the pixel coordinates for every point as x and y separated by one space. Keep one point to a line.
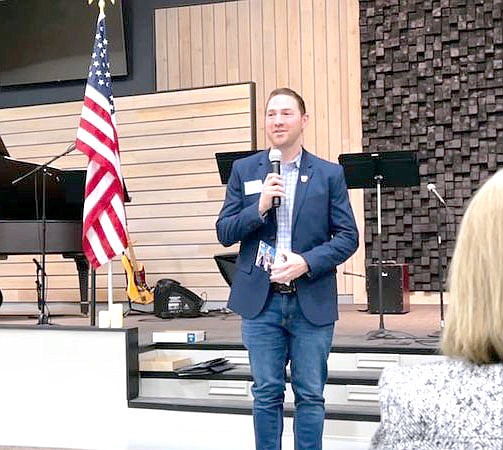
101 4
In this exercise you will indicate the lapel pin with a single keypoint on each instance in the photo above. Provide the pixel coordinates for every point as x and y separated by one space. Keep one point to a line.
303 178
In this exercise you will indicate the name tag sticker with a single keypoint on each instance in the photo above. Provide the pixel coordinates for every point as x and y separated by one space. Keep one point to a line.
253 187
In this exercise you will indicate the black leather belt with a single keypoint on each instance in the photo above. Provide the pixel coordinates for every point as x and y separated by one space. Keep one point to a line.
281 288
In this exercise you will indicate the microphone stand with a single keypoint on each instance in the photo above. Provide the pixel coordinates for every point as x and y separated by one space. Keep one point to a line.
43 318
382 332
438 333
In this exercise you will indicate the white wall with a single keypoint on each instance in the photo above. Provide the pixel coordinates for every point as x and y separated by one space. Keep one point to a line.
63 387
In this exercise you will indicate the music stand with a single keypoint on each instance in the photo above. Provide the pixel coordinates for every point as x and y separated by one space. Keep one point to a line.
43 318
226 263
3 149
225 161
380 169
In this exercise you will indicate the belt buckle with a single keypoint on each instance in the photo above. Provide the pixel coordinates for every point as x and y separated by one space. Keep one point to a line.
282 288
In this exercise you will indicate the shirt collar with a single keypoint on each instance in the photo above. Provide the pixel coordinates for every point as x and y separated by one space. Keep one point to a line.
296 161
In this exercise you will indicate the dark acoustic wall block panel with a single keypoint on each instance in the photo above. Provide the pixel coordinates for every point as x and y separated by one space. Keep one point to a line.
432 81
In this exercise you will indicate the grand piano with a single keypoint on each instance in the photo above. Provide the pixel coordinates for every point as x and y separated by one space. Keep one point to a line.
21 213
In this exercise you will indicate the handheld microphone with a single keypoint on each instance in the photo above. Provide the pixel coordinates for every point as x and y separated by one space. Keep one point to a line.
275 158
432 188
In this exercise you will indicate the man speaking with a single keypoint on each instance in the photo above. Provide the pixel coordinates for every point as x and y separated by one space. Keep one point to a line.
288 312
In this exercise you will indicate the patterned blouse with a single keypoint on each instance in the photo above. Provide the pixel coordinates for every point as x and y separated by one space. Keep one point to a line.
450 404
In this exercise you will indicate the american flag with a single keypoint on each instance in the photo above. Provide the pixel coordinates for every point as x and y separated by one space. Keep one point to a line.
104 233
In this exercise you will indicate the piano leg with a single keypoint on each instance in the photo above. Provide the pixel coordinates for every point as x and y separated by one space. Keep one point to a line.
83 269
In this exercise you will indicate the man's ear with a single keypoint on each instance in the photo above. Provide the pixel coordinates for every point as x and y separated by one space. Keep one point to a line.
305 120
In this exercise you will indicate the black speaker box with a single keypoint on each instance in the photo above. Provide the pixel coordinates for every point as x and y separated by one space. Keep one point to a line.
172 300
395 289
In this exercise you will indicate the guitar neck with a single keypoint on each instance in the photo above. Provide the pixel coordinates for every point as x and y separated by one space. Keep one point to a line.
132 255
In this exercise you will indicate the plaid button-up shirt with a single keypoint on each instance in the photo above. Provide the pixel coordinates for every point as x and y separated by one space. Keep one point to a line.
290 174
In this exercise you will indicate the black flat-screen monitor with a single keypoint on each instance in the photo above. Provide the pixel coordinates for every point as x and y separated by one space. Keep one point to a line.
52 40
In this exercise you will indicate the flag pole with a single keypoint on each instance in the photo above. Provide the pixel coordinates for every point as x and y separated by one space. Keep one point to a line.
104 234
101 5
110 287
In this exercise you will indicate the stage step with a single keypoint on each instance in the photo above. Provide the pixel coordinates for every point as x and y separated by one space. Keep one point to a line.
343 387
351 393
352 358
243 373
339 412
383 346
352 379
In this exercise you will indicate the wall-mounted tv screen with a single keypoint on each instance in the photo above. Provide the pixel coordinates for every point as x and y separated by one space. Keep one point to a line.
51 40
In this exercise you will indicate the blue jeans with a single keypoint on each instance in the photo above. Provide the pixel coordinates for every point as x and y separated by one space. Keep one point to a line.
278 335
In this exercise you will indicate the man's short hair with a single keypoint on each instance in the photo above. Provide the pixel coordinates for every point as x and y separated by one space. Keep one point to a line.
291 93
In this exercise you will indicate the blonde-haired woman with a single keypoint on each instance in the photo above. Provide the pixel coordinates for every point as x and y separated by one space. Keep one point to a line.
457 403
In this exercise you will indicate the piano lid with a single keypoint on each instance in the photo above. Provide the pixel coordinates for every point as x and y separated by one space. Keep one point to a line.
23 201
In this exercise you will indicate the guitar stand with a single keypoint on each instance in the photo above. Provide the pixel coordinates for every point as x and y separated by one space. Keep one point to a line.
134 310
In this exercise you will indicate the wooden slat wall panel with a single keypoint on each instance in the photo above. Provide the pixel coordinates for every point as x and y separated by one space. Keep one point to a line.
232 40
221 43
353 112
309 45
294 50
258 63
168 143
185 48
282 41
196 43
161 52
244 40
208 43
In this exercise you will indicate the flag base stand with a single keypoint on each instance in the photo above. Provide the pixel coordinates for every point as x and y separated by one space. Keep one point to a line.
43 319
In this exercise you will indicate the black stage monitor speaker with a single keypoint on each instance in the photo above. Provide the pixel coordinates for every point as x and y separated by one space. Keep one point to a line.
395 289
172 300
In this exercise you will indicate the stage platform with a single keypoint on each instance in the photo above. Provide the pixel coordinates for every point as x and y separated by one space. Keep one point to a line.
81 367
224 328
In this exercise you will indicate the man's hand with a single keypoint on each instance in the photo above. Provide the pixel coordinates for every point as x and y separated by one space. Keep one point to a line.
273 187
287 267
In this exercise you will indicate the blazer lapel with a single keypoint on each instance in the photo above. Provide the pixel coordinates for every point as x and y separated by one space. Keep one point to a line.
264 166
305 174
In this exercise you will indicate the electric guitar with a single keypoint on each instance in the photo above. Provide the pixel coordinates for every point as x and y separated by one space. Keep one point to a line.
137 288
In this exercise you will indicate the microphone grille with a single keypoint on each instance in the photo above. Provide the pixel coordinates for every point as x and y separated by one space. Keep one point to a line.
274 155
430 186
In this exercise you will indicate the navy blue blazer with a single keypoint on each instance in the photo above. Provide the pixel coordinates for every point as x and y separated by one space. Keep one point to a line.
323 231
